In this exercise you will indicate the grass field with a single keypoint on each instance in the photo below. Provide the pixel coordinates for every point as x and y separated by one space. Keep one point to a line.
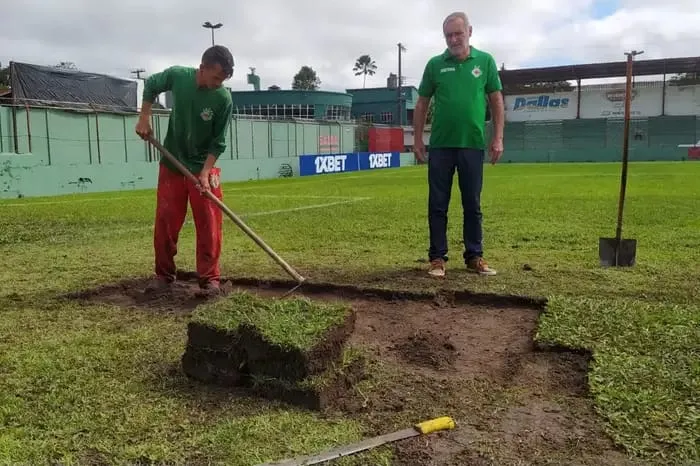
89 383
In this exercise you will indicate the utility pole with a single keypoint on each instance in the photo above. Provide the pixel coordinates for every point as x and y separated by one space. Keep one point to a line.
208 25
138 72
400 79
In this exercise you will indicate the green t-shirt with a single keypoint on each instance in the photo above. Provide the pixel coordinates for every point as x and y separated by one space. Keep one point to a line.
199 118
459 90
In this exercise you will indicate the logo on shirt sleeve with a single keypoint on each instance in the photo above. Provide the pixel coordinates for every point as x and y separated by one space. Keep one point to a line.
207 114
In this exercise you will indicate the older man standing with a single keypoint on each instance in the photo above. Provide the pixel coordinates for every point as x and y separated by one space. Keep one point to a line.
460 81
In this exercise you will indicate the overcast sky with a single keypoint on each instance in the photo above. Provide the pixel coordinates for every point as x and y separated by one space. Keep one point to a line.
277 37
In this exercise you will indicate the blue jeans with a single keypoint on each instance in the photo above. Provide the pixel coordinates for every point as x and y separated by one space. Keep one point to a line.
469 164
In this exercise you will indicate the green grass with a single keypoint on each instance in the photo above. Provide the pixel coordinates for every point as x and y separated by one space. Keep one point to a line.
295 322
85 382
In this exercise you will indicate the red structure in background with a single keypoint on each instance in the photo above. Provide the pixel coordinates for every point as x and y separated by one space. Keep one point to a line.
385 139
694 153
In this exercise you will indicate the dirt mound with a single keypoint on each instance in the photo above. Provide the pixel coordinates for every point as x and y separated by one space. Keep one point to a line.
427 349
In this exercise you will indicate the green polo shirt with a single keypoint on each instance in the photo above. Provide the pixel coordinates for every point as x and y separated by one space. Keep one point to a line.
199 120
459 90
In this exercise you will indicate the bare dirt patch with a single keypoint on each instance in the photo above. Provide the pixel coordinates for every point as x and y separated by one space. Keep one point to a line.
465 355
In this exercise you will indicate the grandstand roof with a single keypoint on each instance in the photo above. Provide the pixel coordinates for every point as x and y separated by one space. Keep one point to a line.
600 70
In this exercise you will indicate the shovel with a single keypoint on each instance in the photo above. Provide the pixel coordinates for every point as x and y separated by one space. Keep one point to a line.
300 280
618 252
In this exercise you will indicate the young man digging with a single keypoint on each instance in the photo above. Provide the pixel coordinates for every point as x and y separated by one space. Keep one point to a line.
196 136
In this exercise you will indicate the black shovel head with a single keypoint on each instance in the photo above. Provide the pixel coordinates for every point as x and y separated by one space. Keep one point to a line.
611 257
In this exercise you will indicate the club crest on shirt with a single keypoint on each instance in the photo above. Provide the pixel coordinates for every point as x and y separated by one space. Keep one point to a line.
476 71
207 114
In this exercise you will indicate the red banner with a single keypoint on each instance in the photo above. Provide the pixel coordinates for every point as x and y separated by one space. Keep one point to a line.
694 153
385 140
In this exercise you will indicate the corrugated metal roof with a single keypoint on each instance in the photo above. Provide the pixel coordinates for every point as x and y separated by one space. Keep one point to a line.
601 70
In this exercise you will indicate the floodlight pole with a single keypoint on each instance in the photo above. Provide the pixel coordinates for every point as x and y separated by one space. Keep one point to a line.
208 25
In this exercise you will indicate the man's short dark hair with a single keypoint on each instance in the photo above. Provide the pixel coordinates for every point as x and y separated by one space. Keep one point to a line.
218 54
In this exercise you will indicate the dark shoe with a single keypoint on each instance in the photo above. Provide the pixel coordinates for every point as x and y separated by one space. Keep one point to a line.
157 285
209 290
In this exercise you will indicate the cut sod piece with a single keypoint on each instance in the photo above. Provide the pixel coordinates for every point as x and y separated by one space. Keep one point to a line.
287 339
316 392
212 366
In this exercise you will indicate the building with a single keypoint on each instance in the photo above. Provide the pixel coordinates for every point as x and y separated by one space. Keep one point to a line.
381 104
378 105
287 104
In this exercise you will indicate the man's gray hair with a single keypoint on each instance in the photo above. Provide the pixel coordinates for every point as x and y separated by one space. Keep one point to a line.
456 15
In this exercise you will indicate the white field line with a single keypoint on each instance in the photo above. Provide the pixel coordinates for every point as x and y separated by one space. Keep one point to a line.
254 214
232 193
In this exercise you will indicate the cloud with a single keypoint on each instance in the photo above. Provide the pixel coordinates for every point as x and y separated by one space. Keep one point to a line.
277 37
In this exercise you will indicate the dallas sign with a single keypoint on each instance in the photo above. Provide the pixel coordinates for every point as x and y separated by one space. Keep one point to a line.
541 107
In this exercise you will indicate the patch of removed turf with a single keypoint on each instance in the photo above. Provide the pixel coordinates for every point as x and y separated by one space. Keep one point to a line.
469 356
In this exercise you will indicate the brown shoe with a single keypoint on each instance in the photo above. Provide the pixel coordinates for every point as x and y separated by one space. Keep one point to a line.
479 265
437 268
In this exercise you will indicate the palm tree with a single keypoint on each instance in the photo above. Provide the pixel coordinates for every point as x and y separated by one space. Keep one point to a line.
365 66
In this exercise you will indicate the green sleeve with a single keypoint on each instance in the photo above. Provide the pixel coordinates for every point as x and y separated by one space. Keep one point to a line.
493 79
427 83
158 83
222 120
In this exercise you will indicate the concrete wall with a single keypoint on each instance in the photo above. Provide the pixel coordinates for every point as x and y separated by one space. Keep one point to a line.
61 152
593 140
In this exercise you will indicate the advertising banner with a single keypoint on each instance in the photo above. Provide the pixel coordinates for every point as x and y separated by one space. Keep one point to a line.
682 100
318 164
541 107
610 103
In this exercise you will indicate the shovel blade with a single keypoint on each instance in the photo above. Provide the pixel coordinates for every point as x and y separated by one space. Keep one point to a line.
611 257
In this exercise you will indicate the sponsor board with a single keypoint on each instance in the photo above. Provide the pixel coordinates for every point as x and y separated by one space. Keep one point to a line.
319 164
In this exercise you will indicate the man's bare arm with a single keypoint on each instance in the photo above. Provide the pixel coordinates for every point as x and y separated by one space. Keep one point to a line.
497 113
419 115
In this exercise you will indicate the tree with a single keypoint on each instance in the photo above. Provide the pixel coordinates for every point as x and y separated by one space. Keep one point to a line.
684 79
306 79
4 76
66 65
365 66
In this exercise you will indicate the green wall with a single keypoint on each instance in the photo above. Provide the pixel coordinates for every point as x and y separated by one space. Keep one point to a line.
62 151
599 140
73 151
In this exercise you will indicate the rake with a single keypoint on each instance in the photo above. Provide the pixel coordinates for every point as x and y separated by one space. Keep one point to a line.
246 229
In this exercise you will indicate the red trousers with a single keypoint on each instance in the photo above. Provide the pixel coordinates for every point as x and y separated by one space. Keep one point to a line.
174 190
